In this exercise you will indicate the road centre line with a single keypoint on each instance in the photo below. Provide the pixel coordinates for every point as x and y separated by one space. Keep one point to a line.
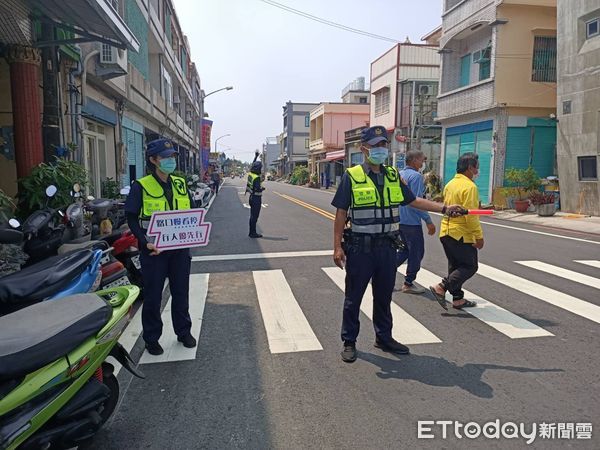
262 255
308 206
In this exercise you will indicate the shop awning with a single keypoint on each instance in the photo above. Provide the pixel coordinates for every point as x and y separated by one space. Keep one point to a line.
334 156
93 20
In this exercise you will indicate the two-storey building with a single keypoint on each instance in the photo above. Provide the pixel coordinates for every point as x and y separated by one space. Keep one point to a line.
498 87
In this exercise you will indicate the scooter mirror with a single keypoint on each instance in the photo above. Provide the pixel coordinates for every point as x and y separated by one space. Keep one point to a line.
76 187
125 190
51 190
14 223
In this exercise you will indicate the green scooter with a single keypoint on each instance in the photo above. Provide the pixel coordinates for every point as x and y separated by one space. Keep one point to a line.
56 388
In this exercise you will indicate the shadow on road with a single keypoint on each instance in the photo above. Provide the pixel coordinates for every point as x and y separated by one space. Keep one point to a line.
436 371
274 238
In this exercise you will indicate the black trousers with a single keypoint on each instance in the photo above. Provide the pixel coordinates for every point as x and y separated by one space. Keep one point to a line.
174 265
255 205
377 266
462 265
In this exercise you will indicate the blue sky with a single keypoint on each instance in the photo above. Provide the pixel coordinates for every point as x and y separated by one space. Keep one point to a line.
271 56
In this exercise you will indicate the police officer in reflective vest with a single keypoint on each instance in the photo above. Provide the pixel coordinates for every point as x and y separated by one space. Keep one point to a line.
161 191
255 188
368 197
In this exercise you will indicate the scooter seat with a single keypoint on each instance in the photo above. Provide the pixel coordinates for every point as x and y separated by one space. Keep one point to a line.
72 246
34 337
34 283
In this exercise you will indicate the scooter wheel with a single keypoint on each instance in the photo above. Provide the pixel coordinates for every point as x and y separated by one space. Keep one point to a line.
107 408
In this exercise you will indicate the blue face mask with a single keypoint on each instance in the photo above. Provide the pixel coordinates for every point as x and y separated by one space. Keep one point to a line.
168 165
378 155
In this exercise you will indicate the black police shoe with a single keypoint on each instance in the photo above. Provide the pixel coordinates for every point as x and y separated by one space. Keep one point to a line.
154 348
349 353
188 341
255 235
392 346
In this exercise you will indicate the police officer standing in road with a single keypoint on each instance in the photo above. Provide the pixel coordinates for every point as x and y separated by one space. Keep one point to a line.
255 188
161 191
368 197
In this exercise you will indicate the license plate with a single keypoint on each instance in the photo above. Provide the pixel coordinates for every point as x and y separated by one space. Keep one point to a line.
136 262
123 281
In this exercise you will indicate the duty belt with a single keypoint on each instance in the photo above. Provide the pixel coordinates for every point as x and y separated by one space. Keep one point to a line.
365 242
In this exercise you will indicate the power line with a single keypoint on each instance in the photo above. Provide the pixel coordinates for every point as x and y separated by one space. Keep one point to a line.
328 22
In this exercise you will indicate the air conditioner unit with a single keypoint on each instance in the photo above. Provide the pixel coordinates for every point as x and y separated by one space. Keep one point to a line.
112 62
425 89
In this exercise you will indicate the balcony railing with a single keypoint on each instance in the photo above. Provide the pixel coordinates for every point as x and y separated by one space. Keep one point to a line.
466 13
465 100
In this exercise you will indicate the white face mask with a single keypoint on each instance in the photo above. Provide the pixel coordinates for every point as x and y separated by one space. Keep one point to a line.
476 175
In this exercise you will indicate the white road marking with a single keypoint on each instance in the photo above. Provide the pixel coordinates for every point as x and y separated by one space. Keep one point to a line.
407 329
537 232
551 296
262 255
285 324
175 351
563 273
590 262
500 319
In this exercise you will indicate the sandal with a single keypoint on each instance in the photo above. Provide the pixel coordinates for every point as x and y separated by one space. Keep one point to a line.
466 304
440 298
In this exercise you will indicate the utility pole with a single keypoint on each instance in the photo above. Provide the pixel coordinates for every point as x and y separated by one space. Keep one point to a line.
51 119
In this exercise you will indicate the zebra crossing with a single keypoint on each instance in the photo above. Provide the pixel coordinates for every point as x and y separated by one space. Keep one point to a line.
288 330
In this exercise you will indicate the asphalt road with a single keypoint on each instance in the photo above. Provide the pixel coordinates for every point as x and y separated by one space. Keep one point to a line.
239 393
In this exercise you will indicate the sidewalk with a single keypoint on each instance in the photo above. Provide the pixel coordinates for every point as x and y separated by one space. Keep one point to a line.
566 221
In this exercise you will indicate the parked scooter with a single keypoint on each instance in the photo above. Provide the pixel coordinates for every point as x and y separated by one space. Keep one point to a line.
56 388
55 277
43 230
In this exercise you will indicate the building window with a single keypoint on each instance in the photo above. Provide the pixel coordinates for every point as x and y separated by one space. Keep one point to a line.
588 170
307 120
592 28
483 58
362 100
382 101
567 107
285 122
544 59
167 87
465 70
306 143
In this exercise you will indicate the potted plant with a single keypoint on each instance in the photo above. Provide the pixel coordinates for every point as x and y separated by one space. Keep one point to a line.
523 181
544 201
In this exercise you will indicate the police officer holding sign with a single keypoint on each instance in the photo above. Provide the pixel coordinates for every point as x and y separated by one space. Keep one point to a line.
254 186
161 191
368 197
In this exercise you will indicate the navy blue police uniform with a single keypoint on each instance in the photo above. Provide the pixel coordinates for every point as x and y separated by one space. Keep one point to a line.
369 257
255 202
172 264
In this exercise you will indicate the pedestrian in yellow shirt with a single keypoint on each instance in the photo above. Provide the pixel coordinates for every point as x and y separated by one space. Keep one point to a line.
461 237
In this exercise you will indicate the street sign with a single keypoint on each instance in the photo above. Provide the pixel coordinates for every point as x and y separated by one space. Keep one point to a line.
179 229
401 161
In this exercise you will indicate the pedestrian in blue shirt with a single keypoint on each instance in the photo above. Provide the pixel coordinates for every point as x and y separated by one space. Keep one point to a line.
411 229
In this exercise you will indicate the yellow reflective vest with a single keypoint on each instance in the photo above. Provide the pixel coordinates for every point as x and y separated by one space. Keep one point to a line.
250 183
154 199
370 212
